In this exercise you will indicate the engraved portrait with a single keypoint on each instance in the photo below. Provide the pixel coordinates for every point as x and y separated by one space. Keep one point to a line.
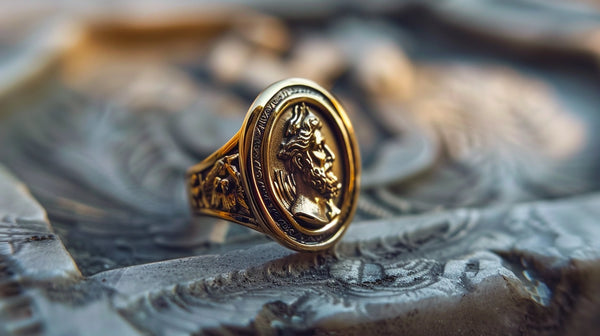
307 186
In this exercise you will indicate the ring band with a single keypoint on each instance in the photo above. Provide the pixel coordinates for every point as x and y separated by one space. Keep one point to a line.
291 172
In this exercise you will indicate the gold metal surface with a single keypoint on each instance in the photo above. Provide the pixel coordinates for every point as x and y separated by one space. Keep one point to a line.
291 172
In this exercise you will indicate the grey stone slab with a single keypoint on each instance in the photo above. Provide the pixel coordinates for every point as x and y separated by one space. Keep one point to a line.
26 236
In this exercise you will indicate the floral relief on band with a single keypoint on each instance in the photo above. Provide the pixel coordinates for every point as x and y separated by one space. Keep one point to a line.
220 188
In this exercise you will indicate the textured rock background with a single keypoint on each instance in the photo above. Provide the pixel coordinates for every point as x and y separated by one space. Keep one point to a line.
476 120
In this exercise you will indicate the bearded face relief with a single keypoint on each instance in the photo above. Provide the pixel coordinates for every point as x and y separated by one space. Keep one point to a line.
304 164
308 185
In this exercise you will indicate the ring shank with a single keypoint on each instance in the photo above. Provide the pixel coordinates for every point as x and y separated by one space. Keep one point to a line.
215 187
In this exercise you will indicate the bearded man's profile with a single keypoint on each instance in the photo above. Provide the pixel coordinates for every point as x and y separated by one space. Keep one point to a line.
307 186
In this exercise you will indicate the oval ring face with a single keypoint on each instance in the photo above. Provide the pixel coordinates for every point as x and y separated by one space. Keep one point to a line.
301 164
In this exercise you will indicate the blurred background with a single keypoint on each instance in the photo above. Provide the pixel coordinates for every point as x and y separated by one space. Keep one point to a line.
456 104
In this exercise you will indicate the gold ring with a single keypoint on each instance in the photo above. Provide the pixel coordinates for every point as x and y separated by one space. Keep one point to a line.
291 172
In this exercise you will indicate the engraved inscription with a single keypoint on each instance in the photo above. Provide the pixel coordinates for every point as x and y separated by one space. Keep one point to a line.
307 186
220 188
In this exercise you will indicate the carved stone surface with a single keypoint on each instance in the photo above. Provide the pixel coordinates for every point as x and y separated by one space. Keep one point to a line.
495 271
477 126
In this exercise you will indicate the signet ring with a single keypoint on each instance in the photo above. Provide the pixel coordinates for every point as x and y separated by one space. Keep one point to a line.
292 172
